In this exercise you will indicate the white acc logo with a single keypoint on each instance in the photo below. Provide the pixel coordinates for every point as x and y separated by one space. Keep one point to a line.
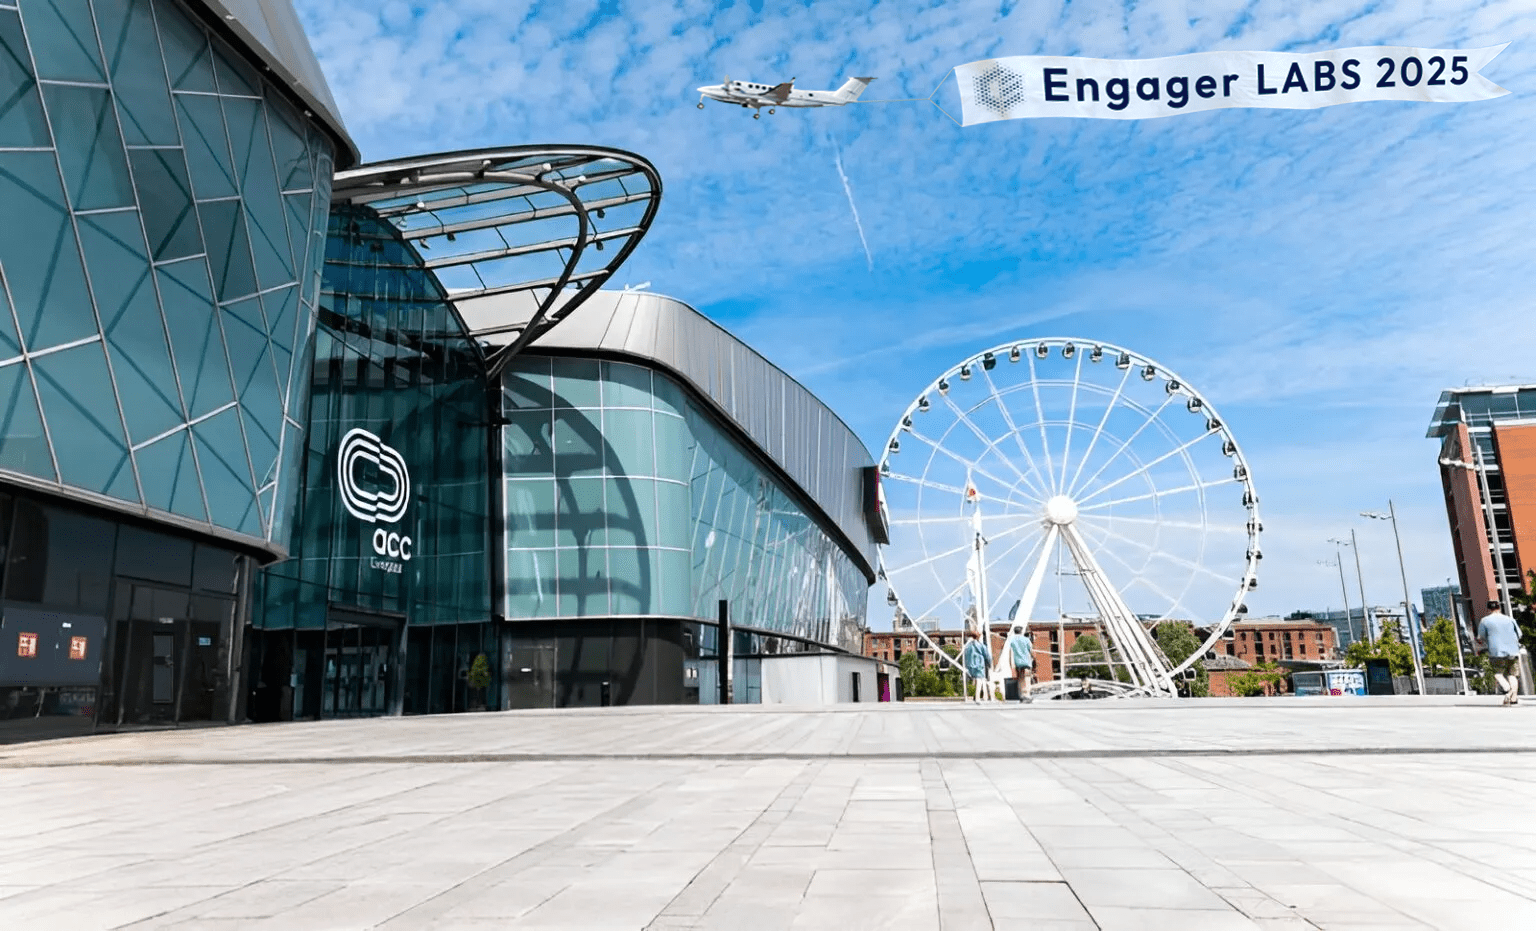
387 506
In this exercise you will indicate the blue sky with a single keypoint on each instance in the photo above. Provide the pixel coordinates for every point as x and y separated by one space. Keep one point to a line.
1320 275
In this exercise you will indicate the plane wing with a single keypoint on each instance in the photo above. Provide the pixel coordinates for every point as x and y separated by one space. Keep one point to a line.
780 92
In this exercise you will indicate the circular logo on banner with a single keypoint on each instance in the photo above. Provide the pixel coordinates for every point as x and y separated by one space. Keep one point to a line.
386 501
999 89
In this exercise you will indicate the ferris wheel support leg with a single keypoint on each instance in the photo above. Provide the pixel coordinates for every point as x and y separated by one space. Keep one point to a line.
1031 593
1133 640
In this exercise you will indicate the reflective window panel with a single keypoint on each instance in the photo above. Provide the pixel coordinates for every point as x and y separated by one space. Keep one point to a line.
624 497
154 305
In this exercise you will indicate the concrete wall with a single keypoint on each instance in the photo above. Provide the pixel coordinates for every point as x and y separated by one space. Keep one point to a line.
820 679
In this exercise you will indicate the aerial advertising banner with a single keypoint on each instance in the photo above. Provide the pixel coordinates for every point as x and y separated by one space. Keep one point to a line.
1027 86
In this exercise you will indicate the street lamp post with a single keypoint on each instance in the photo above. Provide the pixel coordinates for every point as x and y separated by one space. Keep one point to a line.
1365 613
1418 667
1343 590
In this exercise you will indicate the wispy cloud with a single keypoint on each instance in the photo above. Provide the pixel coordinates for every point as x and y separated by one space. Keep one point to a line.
1319 275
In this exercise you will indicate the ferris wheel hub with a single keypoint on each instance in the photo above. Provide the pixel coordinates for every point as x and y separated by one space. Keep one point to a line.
1060 510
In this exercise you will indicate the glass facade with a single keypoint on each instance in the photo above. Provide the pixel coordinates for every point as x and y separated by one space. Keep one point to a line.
365 581
157 302
624 497
112 623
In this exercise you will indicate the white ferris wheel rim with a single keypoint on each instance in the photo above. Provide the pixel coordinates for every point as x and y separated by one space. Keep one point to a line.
1041 348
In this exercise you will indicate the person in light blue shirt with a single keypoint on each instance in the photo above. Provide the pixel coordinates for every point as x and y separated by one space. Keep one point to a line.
1501 636
976 659
1021 652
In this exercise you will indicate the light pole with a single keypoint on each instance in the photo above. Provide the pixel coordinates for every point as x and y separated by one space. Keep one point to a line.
1365 613
1480 468
1418 668
1348 618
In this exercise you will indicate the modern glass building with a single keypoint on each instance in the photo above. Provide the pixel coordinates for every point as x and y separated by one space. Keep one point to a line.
172 162
654 469
286 436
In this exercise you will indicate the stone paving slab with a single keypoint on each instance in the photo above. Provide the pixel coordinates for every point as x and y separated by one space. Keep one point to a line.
1218 814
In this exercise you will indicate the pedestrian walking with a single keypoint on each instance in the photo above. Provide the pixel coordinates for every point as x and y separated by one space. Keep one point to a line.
1500 636
1022 653
976 659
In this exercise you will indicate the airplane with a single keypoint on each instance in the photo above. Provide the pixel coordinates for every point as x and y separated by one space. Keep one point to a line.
757 96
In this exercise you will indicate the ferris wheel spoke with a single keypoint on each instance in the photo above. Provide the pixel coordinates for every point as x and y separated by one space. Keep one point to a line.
958 518
1137 576
1045 443
1066 451
988 443
960 549
1145 467
1160 493
1013 431
926 483
1151 419
1176 524
966 583
1098 431
1157 553
971 467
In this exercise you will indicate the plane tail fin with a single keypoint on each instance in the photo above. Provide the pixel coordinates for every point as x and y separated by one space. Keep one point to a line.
850 91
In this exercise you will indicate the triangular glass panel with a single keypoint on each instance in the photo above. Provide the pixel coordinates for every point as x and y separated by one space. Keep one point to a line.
21 111
188 59
83 420
63 39
23 445
42 257
227 473
194 326
136 341
170 478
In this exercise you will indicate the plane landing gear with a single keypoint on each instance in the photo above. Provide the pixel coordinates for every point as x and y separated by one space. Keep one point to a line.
757 116
770 111
701 105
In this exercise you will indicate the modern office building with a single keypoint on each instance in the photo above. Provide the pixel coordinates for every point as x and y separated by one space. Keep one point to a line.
1488 470
165 172
255 462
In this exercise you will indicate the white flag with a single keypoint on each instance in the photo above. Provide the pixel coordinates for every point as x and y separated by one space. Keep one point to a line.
1028 86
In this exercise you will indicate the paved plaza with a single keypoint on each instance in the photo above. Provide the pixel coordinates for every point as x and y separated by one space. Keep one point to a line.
1282 813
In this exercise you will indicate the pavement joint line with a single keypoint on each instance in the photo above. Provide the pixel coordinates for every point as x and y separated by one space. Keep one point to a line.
796 756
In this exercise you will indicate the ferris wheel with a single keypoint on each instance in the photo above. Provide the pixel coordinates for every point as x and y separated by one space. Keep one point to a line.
1060 481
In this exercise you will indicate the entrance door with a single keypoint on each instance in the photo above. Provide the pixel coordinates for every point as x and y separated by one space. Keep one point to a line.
359 669
529 672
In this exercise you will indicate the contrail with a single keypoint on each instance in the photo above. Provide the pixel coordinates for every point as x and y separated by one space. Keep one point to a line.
837 156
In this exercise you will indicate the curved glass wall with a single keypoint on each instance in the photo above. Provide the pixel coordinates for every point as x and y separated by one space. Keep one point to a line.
392 359
623 497
157 294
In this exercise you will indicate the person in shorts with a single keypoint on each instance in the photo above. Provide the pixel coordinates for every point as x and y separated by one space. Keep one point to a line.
1022 654
1500 636
976 660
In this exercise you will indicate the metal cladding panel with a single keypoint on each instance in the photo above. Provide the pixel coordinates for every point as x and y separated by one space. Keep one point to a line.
786 422
271 29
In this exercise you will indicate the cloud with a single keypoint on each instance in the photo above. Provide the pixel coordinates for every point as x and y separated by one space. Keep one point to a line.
1320 275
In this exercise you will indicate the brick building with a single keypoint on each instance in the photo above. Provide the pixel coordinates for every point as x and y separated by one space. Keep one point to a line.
1489 432
1248 644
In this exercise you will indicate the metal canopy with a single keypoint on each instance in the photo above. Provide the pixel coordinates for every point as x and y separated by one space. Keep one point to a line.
546 226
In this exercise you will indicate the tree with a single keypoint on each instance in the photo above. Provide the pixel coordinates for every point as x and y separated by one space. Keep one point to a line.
1440 646
1178 641
1256 681
1389 646
1086 659
1301 616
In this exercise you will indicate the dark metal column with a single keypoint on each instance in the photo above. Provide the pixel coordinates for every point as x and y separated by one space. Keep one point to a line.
723 652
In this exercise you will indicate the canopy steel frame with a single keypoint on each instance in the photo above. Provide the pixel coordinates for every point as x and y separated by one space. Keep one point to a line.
434 199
